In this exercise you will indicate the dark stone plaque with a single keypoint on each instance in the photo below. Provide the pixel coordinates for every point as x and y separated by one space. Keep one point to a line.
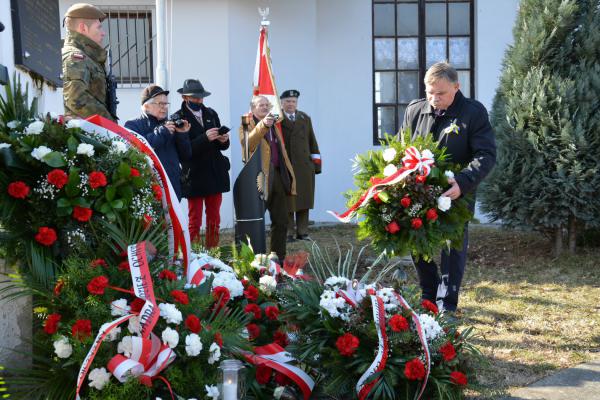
36 32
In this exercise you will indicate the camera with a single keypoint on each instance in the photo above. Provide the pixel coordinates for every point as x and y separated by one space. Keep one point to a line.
275 116
223 130
177 120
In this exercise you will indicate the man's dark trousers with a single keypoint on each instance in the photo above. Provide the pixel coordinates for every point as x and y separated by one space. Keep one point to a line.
453 267
277 204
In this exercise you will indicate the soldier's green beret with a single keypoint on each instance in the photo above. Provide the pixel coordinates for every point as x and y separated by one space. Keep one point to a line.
85 11
289 93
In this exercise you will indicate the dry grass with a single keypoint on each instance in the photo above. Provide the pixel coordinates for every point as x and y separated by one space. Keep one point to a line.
533 313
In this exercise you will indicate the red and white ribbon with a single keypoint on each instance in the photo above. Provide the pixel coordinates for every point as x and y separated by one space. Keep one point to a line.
316 158
414 160
422 338
274 356
195 273
362 388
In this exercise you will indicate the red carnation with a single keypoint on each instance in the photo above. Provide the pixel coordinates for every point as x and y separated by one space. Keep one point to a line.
405 202
58 287
416 223
97 285
137 304
180 297
393 227
58 178
134 173
458 378
193 323
431 214
263 374
448 351
420 179
398 323
51 323
428 305
81 329
46 236
251 293
253 331
281 338
98 262
124 266
97 179
414 370
219 339
272 312
221 294
18 190
157 192
168 275
255 309
82 214
347 344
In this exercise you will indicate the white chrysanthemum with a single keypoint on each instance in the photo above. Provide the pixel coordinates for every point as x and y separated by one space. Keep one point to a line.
214 352
336 282
228 280
125 346
390 302
220 265
63 348
118 147
449 174
39 152
34 128
119 307
193 345
427 154
390 170
134 325
212 392
389 154
73 123
335 306
99 377
5 145
170 337
113 334
12 124
86 149
444 203
170 313
267 284
430 326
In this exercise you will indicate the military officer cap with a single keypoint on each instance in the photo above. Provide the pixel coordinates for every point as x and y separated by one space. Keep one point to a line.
85 11
152 91
289 93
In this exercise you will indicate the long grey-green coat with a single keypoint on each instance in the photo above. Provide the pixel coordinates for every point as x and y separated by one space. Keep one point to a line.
302 148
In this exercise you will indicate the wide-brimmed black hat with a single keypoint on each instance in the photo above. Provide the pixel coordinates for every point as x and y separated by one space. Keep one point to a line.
193 88
152 91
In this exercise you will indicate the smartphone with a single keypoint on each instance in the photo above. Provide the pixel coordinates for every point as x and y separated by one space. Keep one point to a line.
223 130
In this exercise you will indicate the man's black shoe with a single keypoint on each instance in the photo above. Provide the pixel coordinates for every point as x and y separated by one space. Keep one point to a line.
303 237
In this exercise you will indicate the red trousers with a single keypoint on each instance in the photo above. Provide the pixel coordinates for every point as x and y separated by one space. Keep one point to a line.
213 218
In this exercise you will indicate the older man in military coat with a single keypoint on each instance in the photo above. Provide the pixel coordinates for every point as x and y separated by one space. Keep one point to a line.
303 151
83 58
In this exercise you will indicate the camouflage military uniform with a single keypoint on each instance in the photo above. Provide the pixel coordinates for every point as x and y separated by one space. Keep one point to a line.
84 77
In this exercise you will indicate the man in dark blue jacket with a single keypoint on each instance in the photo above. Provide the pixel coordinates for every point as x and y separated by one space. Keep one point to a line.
461 125
171 144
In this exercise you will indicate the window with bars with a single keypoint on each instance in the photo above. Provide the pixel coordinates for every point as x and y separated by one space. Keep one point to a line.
130 39
408 37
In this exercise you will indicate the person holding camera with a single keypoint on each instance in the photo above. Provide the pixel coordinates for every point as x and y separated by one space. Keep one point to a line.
206 174
168 138
280 182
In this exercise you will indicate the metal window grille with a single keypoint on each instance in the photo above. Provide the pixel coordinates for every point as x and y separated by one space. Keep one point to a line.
130 40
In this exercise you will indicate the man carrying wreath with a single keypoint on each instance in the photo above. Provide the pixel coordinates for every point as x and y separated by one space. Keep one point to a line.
462 125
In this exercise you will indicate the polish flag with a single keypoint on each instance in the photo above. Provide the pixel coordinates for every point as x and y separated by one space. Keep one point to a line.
264 82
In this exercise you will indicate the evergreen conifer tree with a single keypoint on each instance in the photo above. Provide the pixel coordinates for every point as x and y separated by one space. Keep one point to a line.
545 116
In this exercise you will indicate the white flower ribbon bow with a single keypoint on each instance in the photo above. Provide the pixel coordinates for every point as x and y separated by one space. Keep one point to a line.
414 160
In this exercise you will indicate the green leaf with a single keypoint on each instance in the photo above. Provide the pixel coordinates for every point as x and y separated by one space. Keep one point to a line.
63 202
105 209
10 159
54 159
81 202
72 144
124 170
111 191
64 211
126 192
117 204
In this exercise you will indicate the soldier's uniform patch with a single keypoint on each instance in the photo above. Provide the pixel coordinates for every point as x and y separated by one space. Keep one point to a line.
78 56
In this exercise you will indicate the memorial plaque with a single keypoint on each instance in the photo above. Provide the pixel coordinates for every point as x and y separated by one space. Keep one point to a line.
36 32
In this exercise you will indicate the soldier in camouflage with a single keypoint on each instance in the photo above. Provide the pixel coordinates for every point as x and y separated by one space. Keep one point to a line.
83 58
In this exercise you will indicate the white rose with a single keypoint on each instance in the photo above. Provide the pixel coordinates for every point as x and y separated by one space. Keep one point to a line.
39 152
427 154
12 124
5 145
170 337
389 170
449 174
267 284
99 377
170 313
119 307
212 392
444 203
214 353
34 128
389 154
85 149
193 345
125 346
73 123
134 325
63 348
118 147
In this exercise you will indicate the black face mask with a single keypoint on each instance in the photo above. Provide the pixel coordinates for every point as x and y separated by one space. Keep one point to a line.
193 106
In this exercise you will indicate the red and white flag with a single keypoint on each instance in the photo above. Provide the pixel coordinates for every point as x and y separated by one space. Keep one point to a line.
264 82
